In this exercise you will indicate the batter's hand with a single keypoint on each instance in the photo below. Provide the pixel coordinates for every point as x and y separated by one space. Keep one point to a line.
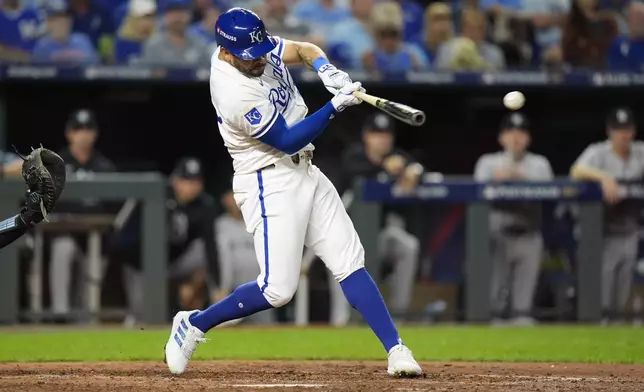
345 97
333 78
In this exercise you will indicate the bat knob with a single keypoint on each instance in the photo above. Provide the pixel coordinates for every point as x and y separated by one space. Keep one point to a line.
418 118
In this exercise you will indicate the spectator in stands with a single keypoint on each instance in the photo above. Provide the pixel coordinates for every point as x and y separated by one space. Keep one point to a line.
627 52
501 7
547 17
413 19
205 27
119 13
139 25
515 228
192 252
203 7
618 8
20 28
82 160
321 15
377 157
237 259
95 22
620 158
391 54
351 39
173 46
60 45
439 29
506 30
470 51
279 22
588 35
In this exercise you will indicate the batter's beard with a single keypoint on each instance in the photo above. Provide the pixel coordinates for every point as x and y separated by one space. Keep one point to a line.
251 72
254 72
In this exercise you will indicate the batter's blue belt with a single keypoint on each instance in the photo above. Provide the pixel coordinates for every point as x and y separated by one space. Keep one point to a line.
296 158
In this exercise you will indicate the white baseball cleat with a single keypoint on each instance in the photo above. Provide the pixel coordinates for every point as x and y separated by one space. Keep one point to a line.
402 363
183 341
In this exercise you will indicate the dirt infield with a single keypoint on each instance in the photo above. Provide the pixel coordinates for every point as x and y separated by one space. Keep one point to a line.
318 376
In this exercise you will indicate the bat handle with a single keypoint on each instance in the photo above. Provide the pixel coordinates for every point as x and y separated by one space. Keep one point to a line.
360 94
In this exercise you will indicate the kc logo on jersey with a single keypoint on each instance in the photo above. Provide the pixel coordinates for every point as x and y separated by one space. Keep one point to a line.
256 36
253 116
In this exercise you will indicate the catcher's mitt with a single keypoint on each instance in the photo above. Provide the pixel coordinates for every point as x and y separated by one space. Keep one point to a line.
44 173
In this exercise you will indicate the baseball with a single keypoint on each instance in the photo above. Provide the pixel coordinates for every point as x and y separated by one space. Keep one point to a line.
514 100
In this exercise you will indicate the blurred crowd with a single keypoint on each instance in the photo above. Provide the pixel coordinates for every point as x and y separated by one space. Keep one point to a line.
385 36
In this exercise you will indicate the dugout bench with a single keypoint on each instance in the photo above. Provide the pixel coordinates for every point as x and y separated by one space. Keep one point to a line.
148 188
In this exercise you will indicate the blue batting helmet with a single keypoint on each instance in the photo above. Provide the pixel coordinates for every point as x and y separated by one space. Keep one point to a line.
242 33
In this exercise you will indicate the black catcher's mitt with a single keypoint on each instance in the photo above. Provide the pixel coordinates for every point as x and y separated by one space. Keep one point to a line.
44 173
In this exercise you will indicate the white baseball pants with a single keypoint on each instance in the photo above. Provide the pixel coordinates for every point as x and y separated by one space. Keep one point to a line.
289 206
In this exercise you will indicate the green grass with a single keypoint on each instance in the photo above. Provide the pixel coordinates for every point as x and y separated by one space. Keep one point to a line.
543 344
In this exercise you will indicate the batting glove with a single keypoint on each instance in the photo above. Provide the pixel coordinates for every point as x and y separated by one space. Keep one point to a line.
333 78
345 97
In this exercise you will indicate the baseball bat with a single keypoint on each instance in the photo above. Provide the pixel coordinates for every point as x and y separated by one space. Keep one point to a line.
396 110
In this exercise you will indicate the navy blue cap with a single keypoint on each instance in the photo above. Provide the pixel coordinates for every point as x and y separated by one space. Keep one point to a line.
379 122
82 119
188 168
620 118
515 120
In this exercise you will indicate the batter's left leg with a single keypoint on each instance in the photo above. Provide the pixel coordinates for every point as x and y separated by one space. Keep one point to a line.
331 235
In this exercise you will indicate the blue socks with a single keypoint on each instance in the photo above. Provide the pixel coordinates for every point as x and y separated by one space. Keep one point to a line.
363 294
247 299
359 288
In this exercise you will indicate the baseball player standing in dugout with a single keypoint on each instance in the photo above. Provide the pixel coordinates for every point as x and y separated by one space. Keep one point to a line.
286 201
517 244
617 159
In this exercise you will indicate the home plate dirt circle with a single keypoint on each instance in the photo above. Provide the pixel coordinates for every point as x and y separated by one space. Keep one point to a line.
318 376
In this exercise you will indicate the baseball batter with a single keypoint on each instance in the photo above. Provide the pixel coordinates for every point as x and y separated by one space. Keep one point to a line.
286 201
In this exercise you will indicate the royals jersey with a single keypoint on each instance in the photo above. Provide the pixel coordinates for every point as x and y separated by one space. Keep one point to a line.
247 108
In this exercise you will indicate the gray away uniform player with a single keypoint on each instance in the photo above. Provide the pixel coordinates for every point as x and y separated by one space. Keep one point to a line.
617 159
517 244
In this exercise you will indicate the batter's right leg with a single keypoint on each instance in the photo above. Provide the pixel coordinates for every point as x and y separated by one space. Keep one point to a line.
333 238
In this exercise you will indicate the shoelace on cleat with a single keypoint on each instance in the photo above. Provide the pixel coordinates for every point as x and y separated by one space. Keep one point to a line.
189 349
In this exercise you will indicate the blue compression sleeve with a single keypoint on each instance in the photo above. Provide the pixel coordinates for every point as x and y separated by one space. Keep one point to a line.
292 139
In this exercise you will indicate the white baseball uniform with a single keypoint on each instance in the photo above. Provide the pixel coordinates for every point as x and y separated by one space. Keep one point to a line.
286 205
